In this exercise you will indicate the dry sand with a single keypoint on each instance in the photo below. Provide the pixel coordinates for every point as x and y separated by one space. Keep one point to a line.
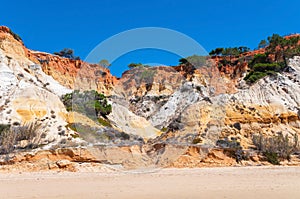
230 182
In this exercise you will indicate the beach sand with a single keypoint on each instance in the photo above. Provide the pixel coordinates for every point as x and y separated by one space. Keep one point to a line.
227 182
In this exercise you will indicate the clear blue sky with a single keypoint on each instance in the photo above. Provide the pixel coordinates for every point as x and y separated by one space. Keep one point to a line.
53 25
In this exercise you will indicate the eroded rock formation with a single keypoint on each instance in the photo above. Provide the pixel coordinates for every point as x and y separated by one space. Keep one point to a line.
175 116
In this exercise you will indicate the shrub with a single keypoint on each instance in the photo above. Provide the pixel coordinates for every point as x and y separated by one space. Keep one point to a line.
104 62
264 67
278 147
262 44
134 65
104 122
7 140
67 53
196 141
95 134
10 136
89 133
280 49
272 157
31 132
164 129
217 51
89 103
197 60
236 51
252 77
147 75
4 127
258 58
183 61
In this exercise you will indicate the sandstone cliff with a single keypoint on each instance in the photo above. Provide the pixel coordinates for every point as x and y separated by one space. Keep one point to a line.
161 116
27 93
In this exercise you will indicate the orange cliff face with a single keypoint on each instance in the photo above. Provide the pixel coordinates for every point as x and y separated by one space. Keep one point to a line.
11 44
73 74
77 74
224 78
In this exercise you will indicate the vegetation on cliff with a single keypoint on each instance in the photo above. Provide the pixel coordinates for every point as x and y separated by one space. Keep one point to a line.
89 103
276 148
137 65
195 60
104 63
235 51
27 136
67 53
277 51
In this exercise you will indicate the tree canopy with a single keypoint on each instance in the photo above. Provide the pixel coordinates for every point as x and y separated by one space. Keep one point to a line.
104 62
67 53
134 65
274 60
262 44
235 51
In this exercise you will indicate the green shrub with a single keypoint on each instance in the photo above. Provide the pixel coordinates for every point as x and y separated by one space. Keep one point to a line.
86 132
95 134
196 141
89 103
272 157
217 51
67 53
236 51
252 77
259 58
264 67
134 65
278 50
104 122
147 75
183 61
271 73
164 129
262 44
197 60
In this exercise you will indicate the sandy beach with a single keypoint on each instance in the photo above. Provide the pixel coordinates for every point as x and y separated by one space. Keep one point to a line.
230 182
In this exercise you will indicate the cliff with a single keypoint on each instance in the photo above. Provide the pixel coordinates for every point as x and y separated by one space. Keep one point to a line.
181 116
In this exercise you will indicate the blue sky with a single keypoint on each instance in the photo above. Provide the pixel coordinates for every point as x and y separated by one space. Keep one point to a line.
81 25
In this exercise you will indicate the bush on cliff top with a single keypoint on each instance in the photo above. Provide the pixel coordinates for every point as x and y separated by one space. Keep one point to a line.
67 53
278 50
